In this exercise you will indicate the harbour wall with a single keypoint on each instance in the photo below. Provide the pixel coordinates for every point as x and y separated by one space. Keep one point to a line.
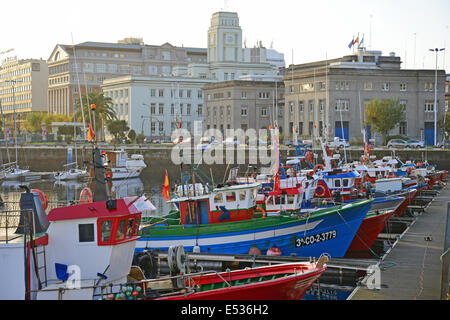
159 158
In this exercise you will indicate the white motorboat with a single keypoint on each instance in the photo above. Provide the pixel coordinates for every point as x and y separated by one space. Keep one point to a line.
71 174
122 166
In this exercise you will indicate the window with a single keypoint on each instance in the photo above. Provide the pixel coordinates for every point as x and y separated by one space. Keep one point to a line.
130 227
105 230
242 195
300 106
403 128
321 105
231 196
200 110
136 226
385 86
264 95
345 182
161 93
100 67
429 106
165 55
121 229
218 198
342 105
403 86
311 105
264 112
161 108
368 85
244 111
337 183
428 86
86 232
152 92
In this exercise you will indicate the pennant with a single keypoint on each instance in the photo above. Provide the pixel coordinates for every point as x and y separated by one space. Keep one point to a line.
165 191
90 133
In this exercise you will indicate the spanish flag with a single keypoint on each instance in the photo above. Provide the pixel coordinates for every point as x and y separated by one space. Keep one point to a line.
165 191
90 133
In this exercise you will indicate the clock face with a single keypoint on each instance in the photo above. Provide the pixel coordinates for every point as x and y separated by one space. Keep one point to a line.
230 38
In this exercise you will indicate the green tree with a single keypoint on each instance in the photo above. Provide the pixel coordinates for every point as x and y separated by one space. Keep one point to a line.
444 124
118 129
104 111
140 138
384 115
132 136
34 120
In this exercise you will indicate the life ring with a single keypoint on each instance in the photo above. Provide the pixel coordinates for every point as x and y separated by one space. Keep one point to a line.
85 192
42 197
262 211
320 192
318 166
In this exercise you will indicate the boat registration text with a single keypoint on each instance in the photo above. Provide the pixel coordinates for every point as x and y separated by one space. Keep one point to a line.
320 237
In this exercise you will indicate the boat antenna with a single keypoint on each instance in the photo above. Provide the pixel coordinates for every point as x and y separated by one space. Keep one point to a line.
79 87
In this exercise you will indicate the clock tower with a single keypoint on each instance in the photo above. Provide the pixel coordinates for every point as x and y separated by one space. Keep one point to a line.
224 38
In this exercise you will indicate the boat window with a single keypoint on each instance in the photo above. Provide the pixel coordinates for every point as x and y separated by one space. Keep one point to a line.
253 194
121 229
231 196
136 226
130 227
345 182
291 199
105 229
242 195
218 198
270 200
86 232
337 183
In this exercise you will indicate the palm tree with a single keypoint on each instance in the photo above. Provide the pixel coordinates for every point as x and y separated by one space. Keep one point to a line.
104 111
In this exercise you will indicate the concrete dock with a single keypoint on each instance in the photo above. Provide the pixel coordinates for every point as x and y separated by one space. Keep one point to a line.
412 269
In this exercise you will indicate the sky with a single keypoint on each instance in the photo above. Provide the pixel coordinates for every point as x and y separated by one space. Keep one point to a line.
304 31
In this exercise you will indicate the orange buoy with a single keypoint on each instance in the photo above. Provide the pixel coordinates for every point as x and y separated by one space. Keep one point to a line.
42 197
254 251
86 192
274 251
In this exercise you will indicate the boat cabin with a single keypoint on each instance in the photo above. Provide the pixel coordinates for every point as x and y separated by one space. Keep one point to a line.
97 239
233 203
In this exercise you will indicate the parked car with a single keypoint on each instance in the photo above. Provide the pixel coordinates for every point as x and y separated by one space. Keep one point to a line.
397 143
339 143
445 145
300 143
416 144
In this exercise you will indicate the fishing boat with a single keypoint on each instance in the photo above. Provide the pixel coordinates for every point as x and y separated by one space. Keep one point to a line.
226 221
287 282
122 166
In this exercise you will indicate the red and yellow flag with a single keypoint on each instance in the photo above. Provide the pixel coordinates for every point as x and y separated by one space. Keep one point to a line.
90 133
165 191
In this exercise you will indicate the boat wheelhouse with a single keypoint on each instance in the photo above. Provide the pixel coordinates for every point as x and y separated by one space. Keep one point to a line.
84 245
232 203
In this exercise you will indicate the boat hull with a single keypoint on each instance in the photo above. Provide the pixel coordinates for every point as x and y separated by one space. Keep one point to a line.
329 231
290 287
369 230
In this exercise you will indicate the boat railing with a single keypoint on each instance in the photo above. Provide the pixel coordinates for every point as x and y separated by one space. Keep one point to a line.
10 222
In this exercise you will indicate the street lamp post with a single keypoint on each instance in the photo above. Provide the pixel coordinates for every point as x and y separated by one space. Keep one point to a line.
436 50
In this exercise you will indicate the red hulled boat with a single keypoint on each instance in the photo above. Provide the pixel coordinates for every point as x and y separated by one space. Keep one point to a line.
276 282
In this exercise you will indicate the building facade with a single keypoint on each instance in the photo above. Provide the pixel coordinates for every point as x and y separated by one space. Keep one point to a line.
156 106
328 97
244 104
72 69
23 88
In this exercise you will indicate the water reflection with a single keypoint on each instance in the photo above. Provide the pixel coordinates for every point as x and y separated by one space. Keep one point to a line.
66 192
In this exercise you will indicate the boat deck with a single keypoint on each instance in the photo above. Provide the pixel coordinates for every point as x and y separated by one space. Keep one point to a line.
412 268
